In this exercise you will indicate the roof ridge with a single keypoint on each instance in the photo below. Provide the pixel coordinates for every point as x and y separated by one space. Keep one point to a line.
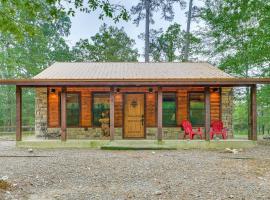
136 62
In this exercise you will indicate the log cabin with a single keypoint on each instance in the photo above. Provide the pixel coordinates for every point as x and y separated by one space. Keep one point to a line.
132 100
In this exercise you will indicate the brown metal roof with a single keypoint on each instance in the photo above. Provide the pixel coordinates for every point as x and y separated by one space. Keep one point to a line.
133 74
130 71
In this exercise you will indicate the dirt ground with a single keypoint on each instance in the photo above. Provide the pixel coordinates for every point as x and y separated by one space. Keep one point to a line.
97 174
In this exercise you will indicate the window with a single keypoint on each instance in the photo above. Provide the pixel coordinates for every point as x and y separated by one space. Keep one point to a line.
73 109
196 109
169 109
101 109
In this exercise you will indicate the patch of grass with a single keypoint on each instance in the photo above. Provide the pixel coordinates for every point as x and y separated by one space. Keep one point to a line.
160 142
4 185
240 136
240 132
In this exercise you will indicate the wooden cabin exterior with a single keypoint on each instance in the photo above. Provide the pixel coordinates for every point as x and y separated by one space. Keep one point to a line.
132 100
135 107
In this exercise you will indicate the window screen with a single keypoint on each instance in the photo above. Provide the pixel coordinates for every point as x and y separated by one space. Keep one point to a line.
73 110
101 108
196 109
169 109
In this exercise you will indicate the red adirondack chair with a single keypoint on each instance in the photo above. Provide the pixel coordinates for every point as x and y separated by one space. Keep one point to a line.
189 131
218 129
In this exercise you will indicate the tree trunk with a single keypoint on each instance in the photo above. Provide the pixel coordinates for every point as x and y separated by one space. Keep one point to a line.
147 21
170 52
188 31
262 120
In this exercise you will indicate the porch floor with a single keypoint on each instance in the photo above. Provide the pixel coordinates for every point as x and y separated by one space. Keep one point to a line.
139 144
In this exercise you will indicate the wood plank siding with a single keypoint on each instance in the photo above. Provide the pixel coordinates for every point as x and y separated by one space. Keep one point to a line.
86 97
151 109
54 107
215 106
118 110
182 108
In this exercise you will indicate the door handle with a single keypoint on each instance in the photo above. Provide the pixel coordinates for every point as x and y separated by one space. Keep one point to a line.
142 120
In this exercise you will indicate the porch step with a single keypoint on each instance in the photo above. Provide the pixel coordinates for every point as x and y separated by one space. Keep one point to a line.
176 144
115 147
137 145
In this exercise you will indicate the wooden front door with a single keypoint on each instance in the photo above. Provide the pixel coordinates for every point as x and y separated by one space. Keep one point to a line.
134 116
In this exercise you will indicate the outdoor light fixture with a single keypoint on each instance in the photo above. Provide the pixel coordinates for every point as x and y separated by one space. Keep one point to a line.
52 90
150 90
216 90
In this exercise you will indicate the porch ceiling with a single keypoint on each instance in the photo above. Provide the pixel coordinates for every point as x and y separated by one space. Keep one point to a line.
233 82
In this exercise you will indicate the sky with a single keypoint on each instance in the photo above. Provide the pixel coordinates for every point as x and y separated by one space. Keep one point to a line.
86 25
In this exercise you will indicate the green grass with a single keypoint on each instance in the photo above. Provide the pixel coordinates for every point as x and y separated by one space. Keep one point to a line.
240 136
243 132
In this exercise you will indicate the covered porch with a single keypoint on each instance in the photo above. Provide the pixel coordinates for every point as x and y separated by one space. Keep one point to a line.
135 111
161 88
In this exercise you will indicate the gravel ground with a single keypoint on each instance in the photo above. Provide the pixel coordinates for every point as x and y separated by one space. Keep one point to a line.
97 174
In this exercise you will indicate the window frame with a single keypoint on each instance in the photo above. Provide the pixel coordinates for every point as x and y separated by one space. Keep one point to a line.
176 112
92 106
80 110
188 106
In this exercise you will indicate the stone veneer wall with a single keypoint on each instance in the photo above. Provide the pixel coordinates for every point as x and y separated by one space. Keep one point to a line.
95 133
40 111
169 133
91 133
227 109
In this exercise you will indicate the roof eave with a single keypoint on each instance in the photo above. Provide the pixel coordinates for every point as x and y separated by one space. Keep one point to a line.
137 82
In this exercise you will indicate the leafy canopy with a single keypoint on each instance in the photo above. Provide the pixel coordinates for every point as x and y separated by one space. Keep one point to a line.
240 34
168 46
26 58
17 17
165 6
110 44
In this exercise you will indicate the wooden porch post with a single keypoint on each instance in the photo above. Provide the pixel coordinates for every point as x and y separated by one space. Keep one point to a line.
18 113
112 114
249 113
207 113
64 114
253 112
159 114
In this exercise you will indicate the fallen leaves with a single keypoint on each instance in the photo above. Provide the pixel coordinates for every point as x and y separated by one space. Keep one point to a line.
4 184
